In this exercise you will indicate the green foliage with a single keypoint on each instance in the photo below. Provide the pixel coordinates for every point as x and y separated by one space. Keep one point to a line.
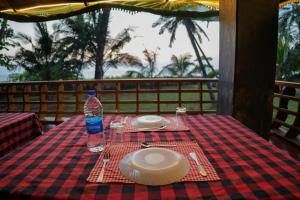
114 77
288 49
86 41
195 33
25 76
29 76
147 70
45 59
6 35
289 21
181 66
212 74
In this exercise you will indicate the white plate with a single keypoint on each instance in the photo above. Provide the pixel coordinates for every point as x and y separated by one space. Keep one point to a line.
154 166
150 121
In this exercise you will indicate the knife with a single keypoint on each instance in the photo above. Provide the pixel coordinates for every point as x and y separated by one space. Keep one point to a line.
200 167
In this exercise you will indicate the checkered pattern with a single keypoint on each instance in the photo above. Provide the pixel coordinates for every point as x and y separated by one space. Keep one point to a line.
17 129
172 126
119 150
56 165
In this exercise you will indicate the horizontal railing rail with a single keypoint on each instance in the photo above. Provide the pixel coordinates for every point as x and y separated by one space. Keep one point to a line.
55 100
286 115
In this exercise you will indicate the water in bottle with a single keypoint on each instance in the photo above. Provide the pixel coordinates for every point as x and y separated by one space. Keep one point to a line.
93 111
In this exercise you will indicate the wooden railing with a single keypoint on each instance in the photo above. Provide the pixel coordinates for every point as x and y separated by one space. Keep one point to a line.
55 100
286 116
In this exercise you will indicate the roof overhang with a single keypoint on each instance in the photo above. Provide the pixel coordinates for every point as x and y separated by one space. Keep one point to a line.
42 10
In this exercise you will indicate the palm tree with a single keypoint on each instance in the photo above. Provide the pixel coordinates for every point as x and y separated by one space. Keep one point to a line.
76 39
283 49
113 57
147 70
194 32
90 43
288 60
6 35
289 21
288 49
99 34
43 59
181 66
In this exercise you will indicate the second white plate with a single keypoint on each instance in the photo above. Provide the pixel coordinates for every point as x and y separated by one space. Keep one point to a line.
150 121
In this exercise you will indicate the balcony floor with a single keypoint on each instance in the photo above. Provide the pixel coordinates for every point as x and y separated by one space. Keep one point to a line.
288 147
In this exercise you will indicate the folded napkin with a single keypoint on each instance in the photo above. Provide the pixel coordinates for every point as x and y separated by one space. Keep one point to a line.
119 150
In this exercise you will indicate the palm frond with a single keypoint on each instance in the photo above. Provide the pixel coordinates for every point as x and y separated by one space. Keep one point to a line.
26 39
134 74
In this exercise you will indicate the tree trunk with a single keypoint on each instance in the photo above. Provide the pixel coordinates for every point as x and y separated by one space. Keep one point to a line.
205 58
201 65
48 73
102 30
2 32
189 21
81 65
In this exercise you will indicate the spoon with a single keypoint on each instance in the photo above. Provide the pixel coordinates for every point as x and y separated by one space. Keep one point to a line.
152 129
146 145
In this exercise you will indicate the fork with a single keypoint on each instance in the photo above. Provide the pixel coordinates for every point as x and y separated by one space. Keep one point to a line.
105 161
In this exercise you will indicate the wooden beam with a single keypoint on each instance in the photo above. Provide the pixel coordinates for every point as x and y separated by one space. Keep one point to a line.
248 45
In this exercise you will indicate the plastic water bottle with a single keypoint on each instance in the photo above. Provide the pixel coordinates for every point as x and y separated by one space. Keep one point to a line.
93 111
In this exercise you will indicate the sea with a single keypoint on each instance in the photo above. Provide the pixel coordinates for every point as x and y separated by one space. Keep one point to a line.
87 73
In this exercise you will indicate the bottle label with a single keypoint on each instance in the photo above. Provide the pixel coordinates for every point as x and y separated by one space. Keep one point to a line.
94 125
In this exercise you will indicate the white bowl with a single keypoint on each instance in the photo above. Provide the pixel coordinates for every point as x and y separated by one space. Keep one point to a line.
154 166
150 121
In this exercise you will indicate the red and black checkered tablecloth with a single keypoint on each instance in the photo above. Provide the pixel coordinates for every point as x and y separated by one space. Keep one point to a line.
56 165
17 129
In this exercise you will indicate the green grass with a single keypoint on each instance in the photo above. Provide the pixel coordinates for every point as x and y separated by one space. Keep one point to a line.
163 97
144 107
293 106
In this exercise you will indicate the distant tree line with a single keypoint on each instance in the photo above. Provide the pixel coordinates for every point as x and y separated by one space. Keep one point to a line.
84 41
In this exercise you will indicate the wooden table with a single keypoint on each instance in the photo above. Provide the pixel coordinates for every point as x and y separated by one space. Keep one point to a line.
56 165
17 129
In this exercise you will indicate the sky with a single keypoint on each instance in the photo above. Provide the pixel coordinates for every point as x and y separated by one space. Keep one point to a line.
144 36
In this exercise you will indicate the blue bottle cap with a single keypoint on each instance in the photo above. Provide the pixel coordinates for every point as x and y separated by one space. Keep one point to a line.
92 93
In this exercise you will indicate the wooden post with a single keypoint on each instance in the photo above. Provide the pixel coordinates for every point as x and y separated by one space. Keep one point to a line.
12 89
158 96
179 93
43 101
201 97
59 100
138 88
79 104
98 87
117 96
248 44
26 98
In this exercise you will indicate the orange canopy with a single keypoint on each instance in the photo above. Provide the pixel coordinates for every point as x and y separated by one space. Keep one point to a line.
39 10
